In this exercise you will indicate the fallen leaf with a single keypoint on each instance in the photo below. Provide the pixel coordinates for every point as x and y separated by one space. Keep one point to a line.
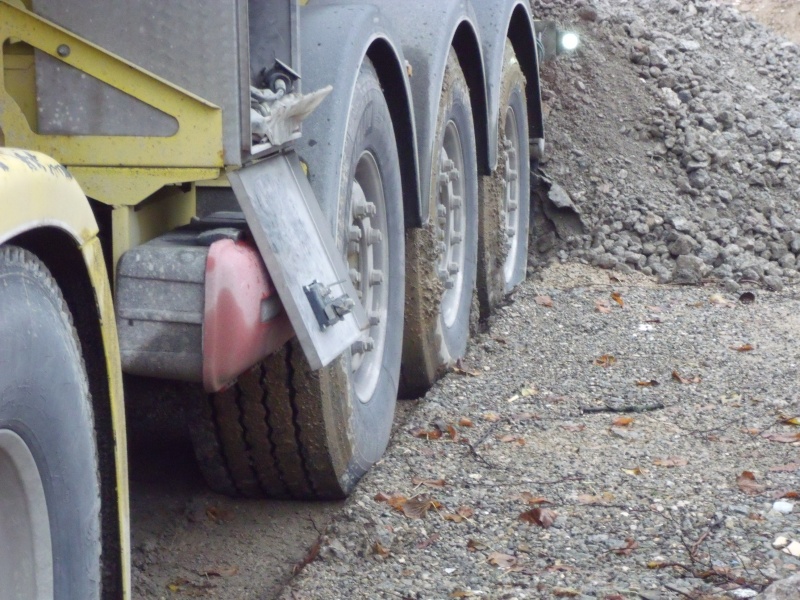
526 416
465 422
465 511
427 434
459 593
630 546
605 361
452 432
377 548
635 471
602 307
436 483
680 379
744 348
617 297
650 383
603 498
719 300
218 515
623 421
562 592
491 417
531 499
574 426
747 483
790 494
467 372
503 561
671 461
429 541
526 392
226 571
418 507
613 597
656 564
545 301
511 438
787 468
783 438
792 421
475 545
543 517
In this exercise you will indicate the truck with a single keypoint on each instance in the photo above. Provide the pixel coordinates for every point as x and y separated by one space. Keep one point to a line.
296 208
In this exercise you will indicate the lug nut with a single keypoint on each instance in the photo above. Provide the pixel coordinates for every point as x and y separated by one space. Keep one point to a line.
456 202
363 346
449 284
374 236
376 277
355 276
374 320
354 235
456 238
453 268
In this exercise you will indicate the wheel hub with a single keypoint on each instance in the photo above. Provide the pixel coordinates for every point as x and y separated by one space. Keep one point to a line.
510 208
26 556
450 223
367 258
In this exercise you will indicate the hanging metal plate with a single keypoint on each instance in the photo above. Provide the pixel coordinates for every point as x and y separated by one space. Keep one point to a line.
301 256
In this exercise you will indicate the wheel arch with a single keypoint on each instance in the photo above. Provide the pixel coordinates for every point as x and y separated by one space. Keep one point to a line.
512 21
336 40
44 211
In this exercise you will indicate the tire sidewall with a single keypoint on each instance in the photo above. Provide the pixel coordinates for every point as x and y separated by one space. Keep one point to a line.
365 427
44 399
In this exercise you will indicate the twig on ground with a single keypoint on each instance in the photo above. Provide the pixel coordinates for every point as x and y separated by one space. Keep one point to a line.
621 409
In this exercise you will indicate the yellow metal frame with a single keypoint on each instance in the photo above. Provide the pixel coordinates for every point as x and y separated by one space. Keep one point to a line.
198 142
36 191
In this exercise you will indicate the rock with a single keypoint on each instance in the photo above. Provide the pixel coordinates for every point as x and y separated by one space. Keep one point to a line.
773 283
682 245
588 13
688 270
783 507
786 589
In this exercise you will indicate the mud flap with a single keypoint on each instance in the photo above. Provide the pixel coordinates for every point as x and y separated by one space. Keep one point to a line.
301 256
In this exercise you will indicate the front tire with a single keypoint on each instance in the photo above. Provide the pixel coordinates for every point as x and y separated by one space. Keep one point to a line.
284 430
50 520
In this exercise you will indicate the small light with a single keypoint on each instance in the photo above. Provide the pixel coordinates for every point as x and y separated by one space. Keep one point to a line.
569 41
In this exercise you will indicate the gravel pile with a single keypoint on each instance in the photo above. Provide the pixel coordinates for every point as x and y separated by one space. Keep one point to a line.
607 439
676 131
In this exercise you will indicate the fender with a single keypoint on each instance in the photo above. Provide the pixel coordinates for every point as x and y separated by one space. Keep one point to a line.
36 192
334 43
427 31
514 18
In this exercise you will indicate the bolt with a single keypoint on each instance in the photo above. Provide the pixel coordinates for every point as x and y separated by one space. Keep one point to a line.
441 247
512 205
443 275
456 202
363 346
512 176
374 320
63 50
456 238
354 235
363 209
510 232
455 174
453 268
374 236
441 212
355 276
449 284
375 277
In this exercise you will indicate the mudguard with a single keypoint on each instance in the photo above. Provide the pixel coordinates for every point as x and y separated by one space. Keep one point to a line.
336 38
36 192
512 19
427 30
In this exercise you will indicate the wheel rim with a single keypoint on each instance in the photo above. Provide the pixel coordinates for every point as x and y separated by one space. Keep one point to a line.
451 221
26 556
511 212
368 258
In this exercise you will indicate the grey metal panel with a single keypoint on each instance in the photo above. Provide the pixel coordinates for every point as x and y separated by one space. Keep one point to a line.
192 43
298 250
334 43
272 25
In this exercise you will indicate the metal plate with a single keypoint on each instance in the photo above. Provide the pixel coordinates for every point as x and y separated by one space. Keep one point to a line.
298 249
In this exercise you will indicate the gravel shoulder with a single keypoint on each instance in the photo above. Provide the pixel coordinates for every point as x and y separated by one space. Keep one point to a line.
656 508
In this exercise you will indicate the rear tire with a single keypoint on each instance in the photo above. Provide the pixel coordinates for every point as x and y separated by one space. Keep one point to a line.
284 430
441 257
505 195
50 519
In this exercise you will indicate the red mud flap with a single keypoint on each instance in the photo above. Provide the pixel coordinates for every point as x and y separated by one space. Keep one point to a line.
243 320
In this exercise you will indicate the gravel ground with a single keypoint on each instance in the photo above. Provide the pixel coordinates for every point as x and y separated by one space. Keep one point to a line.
646 504
612 434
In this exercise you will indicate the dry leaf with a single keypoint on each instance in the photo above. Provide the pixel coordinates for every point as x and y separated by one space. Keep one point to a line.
671 461
227 571
491 417
436 483
465 422
792 421
787 468
783 438
719 300
427 434
650 383
790 494
574 426
744 348
561 592
617 297
503 561
458 370
459 593
623 421
218 515
526 392
531 499
465 512
747 483
680 379
602 307
475 545
429 541
630 546
635 471
605 361
543 517
511 438
378 549
603 498
418 507
545 301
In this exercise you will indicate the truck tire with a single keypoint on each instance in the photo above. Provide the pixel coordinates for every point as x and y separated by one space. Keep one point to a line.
284 430
441 257
50 520
505 195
